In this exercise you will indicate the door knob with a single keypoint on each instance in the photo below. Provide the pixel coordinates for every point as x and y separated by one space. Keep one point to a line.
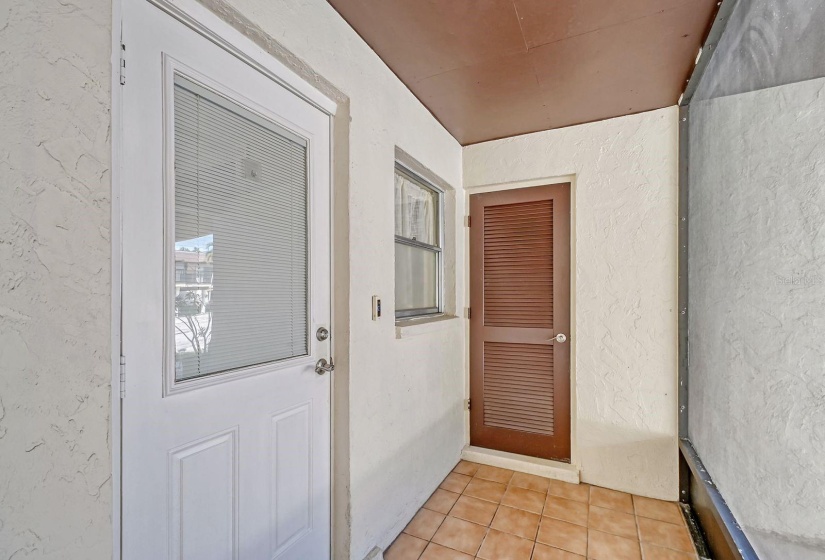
559 338
322 367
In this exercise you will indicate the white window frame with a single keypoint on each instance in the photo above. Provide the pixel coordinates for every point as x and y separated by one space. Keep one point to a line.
401 315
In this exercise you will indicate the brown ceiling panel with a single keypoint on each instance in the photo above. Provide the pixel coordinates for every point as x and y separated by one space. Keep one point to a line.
501 95
639 64
547 21
495 68
427 37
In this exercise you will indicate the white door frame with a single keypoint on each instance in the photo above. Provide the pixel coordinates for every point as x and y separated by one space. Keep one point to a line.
197 17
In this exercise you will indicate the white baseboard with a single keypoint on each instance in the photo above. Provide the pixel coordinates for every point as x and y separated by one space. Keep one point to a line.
521 463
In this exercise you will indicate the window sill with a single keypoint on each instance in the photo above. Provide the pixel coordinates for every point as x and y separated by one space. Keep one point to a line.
406 328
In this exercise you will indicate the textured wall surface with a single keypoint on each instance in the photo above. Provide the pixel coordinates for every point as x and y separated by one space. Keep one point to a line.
406 396
625 205
767 43
757 310
55 299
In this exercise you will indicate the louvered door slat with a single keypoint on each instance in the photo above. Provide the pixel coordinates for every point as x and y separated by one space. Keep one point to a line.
518 264
525 406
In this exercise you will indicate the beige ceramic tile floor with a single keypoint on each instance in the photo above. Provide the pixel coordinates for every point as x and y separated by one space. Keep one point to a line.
496 514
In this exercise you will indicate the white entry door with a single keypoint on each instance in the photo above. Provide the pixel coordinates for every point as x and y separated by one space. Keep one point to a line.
226 283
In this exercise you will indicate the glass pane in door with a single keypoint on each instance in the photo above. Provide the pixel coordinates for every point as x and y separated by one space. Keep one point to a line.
240 271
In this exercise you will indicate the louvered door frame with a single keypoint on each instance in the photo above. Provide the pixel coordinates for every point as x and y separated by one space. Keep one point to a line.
520 300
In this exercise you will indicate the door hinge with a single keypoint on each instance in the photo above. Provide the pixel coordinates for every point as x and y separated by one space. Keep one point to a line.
469 312
467 404
467 221
122 64
123 377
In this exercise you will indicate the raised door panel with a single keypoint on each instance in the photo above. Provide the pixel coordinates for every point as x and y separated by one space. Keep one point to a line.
291 477
203 503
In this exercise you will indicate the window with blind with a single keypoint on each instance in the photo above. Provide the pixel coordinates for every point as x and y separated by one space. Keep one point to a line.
418 258
241 240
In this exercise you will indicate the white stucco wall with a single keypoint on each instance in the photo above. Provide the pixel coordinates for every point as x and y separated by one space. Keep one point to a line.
406 395
55 298
624 287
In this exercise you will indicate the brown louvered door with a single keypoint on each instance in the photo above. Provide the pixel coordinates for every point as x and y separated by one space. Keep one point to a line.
520 301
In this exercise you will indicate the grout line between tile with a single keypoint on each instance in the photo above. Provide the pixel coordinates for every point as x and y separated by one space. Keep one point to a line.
638 532
541 518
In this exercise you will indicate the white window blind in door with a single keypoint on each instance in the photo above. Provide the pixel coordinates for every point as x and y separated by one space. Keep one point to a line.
240 196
